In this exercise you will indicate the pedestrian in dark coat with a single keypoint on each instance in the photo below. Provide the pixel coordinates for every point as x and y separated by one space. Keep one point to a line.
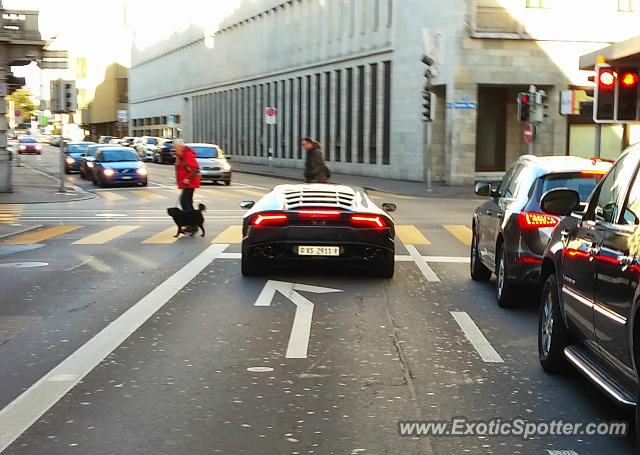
315 169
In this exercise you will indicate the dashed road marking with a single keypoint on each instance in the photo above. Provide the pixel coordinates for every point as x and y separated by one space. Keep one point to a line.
411 235
232 234
40 235
476 338
166 236
461 232
102 237
111 196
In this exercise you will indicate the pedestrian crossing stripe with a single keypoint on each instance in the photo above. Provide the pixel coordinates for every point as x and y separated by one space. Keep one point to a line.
149 195
411 235
10 213
106 235
39 235
164 237
111 196
232 234
250 192
222 194
380 195
461 232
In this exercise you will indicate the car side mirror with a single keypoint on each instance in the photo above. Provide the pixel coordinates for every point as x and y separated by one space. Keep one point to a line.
560 201
246 205
484 189
389 207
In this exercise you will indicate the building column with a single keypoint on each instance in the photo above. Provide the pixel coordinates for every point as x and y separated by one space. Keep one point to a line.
460 148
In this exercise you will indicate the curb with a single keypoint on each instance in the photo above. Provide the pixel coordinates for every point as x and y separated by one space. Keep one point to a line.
21 231
80 194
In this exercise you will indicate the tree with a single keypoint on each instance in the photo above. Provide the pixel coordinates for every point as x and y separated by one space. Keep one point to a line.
22 101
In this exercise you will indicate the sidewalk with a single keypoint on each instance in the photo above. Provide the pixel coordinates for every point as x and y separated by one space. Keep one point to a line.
31 186
400 187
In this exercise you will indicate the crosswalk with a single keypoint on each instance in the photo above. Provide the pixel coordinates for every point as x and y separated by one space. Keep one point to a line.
222 233
10 213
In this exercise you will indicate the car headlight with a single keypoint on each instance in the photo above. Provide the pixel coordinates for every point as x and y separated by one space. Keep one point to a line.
89 163
22 147
38 147
142 171
108 172
226 167
70 160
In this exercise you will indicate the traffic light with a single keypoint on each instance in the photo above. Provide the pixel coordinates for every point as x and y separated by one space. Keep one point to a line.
14 83
604 94
70 96
427 113
524 106
427 94
627 94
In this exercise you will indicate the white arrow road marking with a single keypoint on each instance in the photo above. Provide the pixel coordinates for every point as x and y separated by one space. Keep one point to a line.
475 336
301 329
25 410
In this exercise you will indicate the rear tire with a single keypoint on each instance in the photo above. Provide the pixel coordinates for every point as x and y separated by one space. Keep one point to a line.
479 272
505 293
553 336
249 266
227 182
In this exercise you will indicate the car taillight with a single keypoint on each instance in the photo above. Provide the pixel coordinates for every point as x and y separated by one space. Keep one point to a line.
530 220
319 213
267 219
372 221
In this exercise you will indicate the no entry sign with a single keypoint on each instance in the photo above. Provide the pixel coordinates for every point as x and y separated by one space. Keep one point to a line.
529 132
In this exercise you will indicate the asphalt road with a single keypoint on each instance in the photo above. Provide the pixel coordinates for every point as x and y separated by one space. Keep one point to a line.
117 339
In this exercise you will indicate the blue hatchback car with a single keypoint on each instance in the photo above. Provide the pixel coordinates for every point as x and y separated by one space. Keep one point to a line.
74 152
119 165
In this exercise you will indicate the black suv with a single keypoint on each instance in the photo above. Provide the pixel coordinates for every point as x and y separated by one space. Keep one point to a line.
591 272
164 152
510 232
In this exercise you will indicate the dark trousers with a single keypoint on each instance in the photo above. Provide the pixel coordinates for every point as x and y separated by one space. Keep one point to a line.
186 199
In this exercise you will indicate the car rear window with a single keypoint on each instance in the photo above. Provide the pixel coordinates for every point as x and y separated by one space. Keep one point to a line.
583 183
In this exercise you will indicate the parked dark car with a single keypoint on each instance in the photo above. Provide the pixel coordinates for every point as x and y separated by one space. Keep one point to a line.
118 165
318 223
510 232
591 273
29 145
74 152
164 152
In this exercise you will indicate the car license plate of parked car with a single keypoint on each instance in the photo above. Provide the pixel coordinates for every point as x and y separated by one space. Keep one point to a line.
319 250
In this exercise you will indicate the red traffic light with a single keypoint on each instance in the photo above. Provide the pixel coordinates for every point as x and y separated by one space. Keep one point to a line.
524 98
607 78
629 79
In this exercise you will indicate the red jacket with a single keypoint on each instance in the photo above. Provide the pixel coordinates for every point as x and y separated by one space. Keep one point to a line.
185 166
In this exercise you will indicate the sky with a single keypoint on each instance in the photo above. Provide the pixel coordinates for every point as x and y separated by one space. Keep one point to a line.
86 26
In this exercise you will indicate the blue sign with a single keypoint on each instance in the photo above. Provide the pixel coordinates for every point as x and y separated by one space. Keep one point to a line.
461 105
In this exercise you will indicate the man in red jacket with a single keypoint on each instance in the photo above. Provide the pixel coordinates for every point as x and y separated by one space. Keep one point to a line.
187 174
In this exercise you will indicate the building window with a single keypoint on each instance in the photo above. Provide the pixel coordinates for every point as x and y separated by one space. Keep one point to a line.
389 13
338 135
349 119
361 107
376 15
373 112
327 116
352 17
386 116
627 6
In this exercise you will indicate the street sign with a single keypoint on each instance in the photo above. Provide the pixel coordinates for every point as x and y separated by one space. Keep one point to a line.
270 115
122 116
301 330
529 132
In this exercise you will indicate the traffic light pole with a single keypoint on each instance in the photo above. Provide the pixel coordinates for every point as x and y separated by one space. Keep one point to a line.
598 141
427 141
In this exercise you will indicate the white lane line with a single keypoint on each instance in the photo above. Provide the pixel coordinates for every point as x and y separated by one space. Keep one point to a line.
448 259
25 410
476 338
427 271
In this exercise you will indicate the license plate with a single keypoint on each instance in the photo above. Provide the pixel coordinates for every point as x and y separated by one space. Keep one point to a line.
319 251
126 177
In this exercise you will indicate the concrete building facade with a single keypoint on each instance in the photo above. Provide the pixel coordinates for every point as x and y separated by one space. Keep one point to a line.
348 73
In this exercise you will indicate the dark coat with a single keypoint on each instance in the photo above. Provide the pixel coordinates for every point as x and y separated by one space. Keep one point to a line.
315 169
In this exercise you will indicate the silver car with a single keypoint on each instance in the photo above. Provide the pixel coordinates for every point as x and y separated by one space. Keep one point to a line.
214 165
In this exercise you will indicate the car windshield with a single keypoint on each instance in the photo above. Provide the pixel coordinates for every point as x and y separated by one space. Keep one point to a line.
28 140
119 155
77 148
583 183
152 141
207 152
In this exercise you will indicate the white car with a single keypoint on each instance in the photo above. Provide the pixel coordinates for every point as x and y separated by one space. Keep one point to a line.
146 147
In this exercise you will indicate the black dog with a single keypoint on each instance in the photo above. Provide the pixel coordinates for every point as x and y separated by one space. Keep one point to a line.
188 222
